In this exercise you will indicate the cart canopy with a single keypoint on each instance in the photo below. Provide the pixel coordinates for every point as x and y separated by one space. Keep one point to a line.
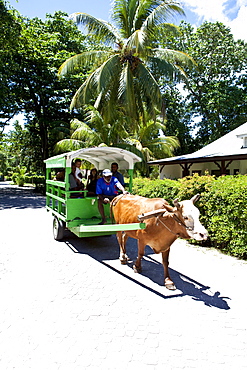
100 157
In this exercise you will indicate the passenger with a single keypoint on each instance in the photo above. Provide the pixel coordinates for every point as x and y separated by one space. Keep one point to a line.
75 184
60 175
115 173
91 182
78 173
106 191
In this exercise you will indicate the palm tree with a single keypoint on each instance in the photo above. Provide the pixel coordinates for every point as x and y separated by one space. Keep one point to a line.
94 131
152 143
124 73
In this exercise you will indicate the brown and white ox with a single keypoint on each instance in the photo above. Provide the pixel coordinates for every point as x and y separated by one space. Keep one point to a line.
164 224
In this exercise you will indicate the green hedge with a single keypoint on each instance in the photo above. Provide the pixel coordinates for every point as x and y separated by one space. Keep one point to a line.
167 189
38 181
35 179
223 206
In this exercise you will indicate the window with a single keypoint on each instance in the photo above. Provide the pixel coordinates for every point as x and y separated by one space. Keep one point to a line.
217 172
244 140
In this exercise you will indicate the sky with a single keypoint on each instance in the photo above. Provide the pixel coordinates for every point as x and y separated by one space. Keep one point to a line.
232 13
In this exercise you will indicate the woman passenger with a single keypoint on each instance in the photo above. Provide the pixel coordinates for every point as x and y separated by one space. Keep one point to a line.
91 182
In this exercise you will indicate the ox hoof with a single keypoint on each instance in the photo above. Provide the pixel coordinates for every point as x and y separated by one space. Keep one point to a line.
123 261
137 269
170 285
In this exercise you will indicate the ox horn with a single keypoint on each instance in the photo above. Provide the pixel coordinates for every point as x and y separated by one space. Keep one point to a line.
195 198
176 203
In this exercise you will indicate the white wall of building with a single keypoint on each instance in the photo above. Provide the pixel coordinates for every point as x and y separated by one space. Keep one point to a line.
174 171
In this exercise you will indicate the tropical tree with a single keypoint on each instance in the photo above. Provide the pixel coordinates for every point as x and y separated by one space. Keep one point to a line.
178 119
37 92
216 90
124 75
93 131
10 30
152 143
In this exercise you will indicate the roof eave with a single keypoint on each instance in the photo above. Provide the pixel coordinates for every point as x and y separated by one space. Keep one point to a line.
199 159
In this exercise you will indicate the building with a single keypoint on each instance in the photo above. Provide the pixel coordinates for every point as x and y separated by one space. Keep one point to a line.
225 156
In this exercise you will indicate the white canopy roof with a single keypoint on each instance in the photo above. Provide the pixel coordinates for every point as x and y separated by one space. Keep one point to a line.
100 157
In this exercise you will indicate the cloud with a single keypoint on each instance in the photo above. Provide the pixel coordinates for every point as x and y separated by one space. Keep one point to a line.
238 25
232 13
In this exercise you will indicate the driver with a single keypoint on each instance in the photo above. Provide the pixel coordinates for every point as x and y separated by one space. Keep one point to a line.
106 190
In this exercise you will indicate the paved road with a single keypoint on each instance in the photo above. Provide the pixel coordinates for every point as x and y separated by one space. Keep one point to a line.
71 305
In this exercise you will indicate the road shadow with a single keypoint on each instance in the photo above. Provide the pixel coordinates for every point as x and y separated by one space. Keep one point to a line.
19 197
106 249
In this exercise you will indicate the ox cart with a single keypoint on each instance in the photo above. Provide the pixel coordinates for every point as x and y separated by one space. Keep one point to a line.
81 215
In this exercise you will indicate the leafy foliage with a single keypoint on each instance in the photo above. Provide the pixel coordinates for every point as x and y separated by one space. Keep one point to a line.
223 206
42 47
10 30
226 213
216 88
167 189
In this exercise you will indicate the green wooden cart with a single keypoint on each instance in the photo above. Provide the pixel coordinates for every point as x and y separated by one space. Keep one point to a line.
81 215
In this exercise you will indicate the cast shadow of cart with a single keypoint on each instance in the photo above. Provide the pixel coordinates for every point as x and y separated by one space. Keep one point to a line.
106 250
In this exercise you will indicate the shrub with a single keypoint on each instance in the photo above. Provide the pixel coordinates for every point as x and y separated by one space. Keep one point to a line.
14 177
167 189
192 185
37 180
223 206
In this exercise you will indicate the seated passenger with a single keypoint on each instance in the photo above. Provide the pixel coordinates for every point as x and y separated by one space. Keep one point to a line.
91 182
115 173
78 173
60 175
75 184
106 190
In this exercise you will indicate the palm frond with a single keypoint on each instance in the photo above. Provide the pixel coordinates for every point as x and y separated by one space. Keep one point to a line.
102 29
68 145
86 93
108 71
163 146
143 10
170 63
149 89
83 132
137 43
126 92
160 67
132 148
160 12
79 61
119 13
148 129
123 13
171 28
174 56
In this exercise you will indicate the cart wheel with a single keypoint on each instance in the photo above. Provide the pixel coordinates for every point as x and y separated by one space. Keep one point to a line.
58 229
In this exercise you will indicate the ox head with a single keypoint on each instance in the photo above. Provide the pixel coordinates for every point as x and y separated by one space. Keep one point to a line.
189 214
